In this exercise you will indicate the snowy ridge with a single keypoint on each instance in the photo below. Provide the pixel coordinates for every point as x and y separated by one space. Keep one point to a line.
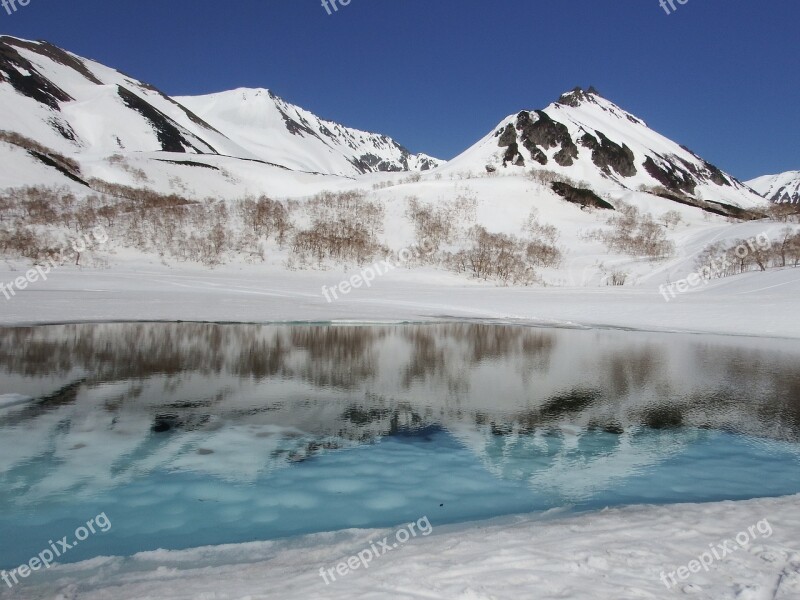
781 188
82 108
276 131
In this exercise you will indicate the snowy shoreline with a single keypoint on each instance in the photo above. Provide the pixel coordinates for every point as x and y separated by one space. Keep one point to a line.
616 553
754 304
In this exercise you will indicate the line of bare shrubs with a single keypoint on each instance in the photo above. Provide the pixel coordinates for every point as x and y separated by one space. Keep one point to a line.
725 259
266 217
27 242
337 227
501 257
118 160
546 177
785 212
328 228
33 218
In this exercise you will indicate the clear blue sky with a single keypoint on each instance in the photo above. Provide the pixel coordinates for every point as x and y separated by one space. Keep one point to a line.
720 76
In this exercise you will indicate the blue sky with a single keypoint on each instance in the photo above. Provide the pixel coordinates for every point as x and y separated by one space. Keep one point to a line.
719 76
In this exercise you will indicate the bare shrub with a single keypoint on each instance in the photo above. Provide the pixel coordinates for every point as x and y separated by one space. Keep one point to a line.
617 278
494 256
635 233
545 176
710 261
671 219
436 225
265 217
139 175
533 227
432 224
343 227
722 259
382 185
793 251
542 254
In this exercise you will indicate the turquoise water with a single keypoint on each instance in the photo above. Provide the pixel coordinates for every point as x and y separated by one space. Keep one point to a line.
196 435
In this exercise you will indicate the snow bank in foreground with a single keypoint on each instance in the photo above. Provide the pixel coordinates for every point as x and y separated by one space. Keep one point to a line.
615 554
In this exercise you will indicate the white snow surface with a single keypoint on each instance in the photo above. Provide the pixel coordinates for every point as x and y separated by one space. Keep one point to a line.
134 286
756 304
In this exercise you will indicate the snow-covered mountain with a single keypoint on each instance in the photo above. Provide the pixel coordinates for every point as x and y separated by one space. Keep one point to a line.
588 139
278 132
784 187
80 120
80 108
73 105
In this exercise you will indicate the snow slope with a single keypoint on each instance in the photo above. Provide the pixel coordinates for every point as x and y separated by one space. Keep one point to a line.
784 187
77 106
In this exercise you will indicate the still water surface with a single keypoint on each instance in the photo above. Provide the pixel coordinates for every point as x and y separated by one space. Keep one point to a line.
194 434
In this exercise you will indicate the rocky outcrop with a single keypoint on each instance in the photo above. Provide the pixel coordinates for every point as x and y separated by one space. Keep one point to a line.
671 176
608 155
581 196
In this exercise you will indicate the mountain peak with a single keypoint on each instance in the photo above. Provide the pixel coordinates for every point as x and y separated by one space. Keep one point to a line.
577 96
587 139
246 93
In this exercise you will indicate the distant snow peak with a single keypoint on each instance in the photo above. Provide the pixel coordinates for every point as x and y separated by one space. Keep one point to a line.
276 131
783 188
